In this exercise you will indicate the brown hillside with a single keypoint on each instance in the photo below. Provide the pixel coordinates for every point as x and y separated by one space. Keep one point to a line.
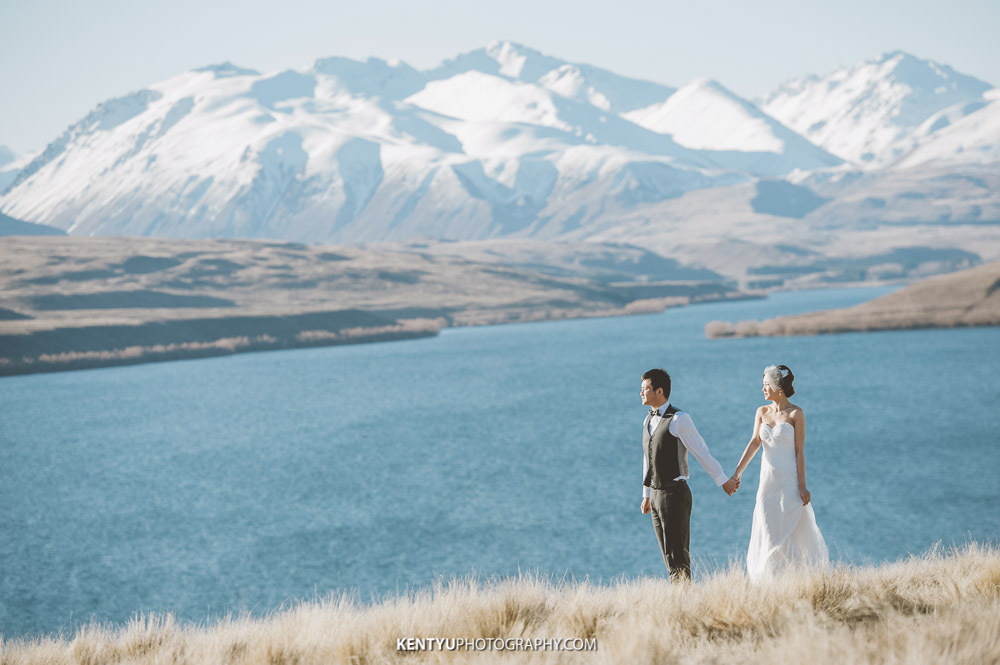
966 298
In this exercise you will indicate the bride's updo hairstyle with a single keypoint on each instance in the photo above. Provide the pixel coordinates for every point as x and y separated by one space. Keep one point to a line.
779 377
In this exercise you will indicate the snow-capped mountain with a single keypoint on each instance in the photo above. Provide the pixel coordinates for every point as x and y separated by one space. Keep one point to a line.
704 115
967 133
359 151
508 142
599 87
866 113
477 98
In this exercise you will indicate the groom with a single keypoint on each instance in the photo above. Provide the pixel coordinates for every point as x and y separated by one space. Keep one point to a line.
668 434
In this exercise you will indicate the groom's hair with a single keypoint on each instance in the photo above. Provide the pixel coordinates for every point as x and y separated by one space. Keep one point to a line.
658 378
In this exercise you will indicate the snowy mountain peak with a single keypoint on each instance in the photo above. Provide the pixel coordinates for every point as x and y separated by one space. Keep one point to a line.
500 58
226 69
707 83
500 141
520 62
570 81
391 79
927 75
895 57
599 87
866 113
886 56
104 119
966 133
500 49
705 115
708 86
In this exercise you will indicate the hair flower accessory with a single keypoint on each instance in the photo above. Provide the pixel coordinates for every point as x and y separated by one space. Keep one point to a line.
774 376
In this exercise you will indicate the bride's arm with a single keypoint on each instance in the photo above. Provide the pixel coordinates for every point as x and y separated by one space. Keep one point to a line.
752 446
799 420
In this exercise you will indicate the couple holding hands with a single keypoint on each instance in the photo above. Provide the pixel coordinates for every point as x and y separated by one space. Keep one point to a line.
784 532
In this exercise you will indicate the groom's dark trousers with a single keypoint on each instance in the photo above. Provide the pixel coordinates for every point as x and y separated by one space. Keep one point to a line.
669 499
671 511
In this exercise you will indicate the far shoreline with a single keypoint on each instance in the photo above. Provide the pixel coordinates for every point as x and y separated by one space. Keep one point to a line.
79 303
129 352
402 330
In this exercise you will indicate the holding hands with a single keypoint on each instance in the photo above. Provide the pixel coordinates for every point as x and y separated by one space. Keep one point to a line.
731 485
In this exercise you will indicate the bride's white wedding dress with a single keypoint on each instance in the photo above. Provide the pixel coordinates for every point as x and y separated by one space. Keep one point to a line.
784 532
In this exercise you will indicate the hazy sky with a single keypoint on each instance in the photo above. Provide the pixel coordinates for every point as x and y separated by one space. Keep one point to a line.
60 58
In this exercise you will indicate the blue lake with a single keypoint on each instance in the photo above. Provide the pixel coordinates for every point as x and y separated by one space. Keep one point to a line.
243 483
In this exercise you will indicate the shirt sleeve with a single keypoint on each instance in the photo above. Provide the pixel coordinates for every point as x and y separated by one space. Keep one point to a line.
683 427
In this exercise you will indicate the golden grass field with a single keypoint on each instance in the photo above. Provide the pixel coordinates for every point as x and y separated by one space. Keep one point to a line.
941 607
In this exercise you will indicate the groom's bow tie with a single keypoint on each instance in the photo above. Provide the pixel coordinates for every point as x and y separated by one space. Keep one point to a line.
653 412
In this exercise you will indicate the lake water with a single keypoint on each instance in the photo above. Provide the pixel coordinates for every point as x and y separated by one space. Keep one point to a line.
243 483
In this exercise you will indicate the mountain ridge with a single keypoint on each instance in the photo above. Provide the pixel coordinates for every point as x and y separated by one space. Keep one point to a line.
502 142
875 104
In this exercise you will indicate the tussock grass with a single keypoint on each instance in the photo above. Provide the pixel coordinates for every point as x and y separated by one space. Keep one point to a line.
941 607
961 299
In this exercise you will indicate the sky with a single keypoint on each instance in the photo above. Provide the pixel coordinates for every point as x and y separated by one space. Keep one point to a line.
61 58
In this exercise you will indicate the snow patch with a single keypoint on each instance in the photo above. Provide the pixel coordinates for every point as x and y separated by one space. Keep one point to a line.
478 97
515 206
361 170
116 112
966 133
175 115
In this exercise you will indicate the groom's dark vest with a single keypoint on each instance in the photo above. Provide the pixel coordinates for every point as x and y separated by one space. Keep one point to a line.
666 455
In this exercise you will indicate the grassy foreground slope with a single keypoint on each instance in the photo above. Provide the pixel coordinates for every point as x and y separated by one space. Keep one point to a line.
938 608
965 298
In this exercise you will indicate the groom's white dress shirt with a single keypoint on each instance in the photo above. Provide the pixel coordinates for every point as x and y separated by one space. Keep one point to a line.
682 426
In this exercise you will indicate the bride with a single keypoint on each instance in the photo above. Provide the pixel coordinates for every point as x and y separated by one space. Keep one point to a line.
784 532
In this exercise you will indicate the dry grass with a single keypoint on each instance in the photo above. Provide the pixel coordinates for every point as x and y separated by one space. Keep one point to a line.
961 299
73 302
938 608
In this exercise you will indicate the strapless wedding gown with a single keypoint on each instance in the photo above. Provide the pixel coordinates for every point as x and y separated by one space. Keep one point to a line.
784 533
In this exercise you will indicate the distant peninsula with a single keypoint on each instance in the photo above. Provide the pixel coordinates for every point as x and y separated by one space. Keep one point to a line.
75 302
961 299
